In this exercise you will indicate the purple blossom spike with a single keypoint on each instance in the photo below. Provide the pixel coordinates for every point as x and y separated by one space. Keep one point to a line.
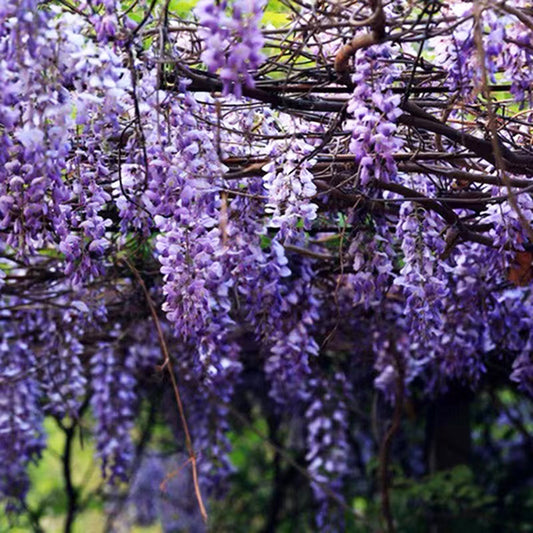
374 110
232 40
113 403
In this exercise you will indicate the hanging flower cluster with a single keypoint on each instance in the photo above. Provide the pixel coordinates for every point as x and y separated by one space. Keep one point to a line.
232 40
374 110
290 186
328 449
21 419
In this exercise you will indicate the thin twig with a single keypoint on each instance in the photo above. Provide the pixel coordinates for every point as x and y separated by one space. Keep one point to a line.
384 449
168 364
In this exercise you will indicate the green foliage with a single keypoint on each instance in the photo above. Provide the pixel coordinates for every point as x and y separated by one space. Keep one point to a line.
182 8
251 483
261 475
452 496
276 13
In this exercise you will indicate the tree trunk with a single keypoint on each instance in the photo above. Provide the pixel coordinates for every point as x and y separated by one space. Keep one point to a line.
449 440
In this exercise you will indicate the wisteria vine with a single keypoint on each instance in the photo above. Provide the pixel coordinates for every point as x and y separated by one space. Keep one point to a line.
273 206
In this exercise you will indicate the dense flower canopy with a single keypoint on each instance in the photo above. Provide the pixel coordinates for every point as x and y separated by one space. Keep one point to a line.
211 195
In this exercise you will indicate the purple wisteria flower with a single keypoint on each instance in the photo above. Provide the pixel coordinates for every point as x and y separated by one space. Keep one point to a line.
518 61
373 262
374 110
113 402
21 418
64 376
292 344
232 40
327 447
290 186
421 278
